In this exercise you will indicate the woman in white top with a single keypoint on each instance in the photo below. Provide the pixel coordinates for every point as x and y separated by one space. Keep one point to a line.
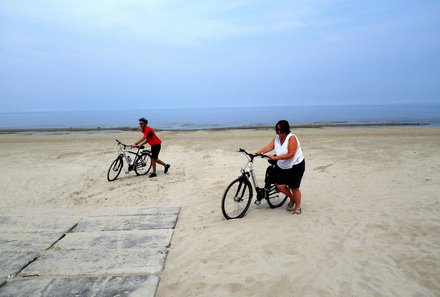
290 164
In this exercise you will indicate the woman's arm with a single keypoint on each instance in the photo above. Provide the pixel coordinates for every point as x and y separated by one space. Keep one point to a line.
270 146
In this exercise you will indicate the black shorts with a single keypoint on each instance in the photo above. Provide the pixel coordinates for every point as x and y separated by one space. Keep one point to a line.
291 177
155 149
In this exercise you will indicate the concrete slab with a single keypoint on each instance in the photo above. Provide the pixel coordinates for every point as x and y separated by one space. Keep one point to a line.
41 212
118 223
27 241
97 262
114 240
133 211
102 286
11 263
89 212
102 252
36 224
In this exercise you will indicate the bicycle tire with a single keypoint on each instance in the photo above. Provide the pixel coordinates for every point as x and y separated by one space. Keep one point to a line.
274 197
237 199
142 165
115 169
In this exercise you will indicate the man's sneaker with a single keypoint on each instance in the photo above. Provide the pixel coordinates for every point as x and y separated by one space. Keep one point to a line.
153 175
167 167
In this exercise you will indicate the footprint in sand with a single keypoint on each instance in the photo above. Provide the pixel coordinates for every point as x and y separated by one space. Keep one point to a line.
323 168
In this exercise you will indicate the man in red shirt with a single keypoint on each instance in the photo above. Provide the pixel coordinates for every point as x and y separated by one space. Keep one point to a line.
151 138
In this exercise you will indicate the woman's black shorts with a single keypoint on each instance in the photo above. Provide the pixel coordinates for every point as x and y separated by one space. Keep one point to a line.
155 149
291 177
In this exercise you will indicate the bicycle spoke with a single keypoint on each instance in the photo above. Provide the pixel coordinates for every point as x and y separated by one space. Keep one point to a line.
115 169
274 197
142 165
236 199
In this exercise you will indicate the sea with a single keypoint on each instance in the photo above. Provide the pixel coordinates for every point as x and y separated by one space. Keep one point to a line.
221 117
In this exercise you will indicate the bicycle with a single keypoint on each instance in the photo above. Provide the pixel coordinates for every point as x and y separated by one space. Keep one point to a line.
141 163
238 195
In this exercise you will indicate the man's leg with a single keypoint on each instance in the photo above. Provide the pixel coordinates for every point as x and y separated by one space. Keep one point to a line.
153 165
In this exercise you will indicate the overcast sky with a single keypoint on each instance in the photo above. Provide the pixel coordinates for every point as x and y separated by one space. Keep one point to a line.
108 54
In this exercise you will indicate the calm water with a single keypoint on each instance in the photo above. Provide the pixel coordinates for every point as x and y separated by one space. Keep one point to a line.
204 118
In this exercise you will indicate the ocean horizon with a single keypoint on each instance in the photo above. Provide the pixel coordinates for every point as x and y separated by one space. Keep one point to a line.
225 117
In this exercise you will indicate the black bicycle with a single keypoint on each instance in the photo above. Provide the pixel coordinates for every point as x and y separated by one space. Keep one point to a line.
238 195
140 163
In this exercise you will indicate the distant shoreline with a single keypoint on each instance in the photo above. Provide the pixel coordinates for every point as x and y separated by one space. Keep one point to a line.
174 119
127 129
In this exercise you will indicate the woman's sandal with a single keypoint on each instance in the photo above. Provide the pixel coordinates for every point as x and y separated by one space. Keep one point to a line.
290 206
297 211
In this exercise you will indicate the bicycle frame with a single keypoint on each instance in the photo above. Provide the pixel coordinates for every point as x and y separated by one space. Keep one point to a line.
140 162
238 195
248 170
123 153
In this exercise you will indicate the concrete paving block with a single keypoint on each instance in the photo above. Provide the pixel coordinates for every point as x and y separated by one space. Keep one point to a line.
26 241
41 212
102 286
93 252
36 224
90 211
126 223
96 262
135 211
113 240
12 262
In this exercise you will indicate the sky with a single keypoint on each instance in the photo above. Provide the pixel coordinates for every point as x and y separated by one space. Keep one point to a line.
58 55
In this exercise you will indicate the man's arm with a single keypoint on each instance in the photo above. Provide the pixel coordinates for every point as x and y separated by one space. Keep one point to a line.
140 142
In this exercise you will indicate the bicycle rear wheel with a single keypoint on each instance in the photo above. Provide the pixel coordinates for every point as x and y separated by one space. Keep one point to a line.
274 197
142 165
115 169
237 199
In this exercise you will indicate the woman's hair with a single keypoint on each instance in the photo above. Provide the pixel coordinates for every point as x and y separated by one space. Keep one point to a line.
284 126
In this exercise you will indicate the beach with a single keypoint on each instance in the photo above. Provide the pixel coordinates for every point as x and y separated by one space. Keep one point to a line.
370 198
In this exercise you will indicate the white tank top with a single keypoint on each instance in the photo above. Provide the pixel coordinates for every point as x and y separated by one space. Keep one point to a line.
282 149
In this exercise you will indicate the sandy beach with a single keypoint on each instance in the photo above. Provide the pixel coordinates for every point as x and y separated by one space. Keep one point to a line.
371 207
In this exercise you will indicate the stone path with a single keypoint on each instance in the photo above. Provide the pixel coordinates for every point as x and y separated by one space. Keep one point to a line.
109 252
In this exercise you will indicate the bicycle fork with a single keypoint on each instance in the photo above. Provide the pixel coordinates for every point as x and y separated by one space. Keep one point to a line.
260 195
241 187
261 192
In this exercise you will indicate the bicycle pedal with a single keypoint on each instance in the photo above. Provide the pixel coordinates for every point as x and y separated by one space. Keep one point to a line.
257 202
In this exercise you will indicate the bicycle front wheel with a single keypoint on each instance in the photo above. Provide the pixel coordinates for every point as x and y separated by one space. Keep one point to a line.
115 169
142 165
237 199
274 197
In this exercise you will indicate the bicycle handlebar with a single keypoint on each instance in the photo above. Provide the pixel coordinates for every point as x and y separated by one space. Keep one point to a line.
123 144
128 145
252 156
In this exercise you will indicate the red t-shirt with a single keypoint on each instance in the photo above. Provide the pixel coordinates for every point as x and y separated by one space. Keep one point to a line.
150 136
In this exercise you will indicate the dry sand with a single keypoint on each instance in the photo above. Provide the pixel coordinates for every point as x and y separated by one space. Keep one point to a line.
371 208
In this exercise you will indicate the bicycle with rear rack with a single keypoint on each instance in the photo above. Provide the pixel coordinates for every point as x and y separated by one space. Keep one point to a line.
139 161
238 195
